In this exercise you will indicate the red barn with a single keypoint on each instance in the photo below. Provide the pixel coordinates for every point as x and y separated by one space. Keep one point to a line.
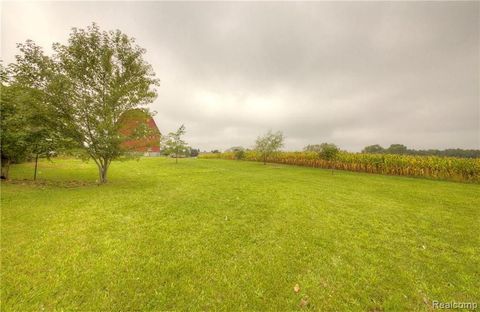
134 119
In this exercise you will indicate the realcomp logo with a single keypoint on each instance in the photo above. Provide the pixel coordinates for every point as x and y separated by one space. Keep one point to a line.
454 305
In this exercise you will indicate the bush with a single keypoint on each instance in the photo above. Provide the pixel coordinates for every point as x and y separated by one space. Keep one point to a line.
239 154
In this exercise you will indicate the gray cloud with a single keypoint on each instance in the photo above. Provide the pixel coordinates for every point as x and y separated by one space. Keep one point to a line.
353 73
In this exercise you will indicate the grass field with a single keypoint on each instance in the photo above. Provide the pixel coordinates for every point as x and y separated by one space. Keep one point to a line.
232 235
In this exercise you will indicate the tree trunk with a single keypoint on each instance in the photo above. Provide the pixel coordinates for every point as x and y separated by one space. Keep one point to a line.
5 169
102 171
104 174
36 166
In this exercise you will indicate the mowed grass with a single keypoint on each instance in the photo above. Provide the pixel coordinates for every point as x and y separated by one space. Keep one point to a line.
232 235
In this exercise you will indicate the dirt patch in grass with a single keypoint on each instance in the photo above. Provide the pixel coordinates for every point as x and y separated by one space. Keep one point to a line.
48 183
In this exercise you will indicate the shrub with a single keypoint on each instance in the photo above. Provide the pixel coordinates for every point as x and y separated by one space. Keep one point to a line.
239 154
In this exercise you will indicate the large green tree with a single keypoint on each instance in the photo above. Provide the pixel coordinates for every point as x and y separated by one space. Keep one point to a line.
87 85
25 129
14 136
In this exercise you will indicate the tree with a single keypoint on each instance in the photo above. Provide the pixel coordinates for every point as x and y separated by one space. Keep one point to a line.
239 154
397 149
402 149
87 85
174 144
45 143
14 145
328 151
269 144
373 149
24 130
238 151
194 152
42 139
234 149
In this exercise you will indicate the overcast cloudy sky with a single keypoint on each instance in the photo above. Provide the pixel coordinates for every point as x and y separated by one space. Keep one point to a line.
354 73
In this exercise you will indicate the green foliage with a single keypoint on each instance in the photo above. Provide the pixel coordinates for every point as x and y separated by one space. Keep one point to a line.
396 149
194 152
373 149
87 85
25 130
239 154
402 149
269 144
174 145
328 151
238 151
234 236
14 134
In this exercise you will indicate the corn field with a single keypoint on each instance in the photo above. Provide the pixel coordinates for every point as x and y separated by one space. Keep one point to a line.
444 168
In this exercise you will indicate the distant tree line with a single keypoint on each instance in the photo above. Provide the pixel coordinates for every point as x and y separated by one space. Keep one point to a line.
267 145
401 149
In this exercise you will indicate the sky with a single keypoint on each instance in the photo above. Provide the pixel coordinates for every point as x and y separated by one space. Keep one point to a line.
349 73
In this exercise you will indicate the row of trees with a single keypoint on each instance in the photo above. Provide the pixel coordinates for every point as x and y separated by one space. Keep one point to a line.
271 143
74 99
400 149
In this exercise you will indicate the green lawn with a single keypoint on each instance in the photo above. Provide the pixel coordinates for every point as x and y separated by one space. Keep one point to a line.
231 235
